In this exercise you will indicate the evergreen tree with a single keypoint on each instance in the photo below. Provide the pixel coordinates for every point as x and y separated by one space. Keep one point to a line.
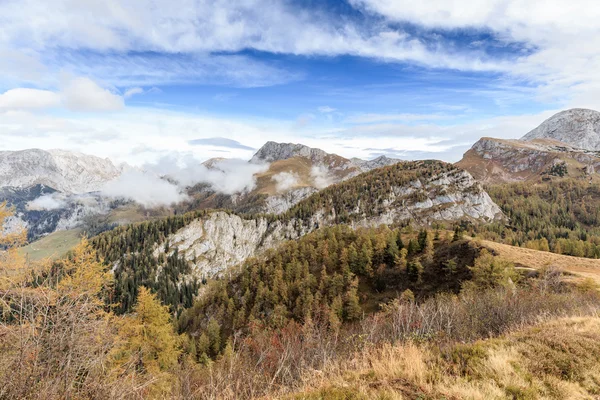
147 343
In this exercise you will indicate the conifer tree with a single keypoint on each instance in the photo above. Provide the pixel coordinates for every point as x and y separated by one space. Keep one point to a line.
147 345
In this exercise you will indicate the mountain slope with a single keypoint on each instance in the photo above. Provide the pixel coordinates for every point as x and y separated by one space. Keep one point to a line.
577 127
422 192
204 246
497 160
295 171
65 171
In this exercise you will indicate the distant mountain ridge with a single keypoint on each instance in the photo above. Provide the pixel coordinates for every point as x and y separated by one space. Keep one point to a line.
65 171
499 160
577 127
566 144
295 172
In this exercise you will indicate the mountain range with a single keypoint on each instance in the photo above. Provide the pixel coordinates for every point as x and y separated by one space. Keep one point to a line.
310 258
57 190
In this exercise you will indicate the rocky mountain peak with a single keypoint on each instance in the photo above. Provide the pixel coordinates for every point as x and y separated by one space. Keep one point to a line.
577 127
367 165
65 171
273 151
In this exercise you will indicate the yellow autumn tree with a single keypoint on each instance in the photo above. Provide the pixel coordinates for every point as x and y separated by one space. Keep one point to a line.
54 332
12 263
147 347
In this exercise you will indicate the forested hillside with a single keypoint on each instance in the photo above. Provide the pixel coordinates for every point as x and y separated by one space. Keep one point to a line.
333 275
327 301
562 216
129 249
417 193
369 194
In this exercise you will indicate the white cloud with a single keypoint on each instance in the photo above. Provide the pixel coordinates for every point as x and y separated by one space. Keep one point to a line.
199 27
77 94
47 202
164 182
326 109
286 180
225 176
559 39
83 94
25 98
321 178
132 92
144 188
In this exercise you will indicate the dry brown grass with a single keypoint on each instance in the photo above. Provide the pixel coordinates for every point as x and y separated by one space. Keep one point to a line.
559 359
581 268
498 170
298 165
301 167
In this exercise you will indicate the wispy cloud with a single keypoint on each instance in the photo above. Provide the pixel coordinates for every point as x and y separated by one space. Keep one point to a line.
326 109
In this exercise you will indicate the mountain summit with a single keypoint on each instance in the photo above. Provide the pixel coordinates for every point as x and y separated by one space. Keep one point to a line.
577 127
273 151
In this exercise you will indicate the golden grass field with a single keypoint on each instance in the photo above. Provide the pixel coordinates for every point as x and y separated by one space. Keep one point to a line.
556 360
528 258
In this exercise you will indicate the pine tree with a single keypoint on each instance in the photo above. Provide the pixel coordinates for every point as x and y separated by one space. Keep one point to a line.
400 260
414 270
147 344
352 310
422 238
413 247
428 251
391 251
458 234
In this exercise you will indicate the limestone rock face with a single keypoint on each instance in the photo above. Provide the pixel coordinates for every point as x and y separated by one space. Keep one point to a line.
577 127
280 203
497 160
273 151
220 240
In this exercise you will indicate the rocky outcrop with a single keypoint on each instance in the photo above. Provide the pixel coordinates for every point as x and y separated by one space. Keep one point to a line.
496 160
368 165
280 203
576 127
273 151
220 240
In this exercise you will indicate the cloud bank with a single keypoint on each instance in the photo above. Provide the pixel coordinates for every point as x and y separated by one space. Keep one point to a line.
144 188
76 94
165 182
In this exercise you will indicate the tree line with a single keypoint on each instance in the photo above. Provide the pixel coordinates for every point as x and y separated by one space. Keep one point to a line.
334 275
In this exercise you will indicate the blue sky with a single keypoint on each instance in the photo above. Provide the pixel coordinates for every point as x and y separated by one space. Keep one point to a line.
138 80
